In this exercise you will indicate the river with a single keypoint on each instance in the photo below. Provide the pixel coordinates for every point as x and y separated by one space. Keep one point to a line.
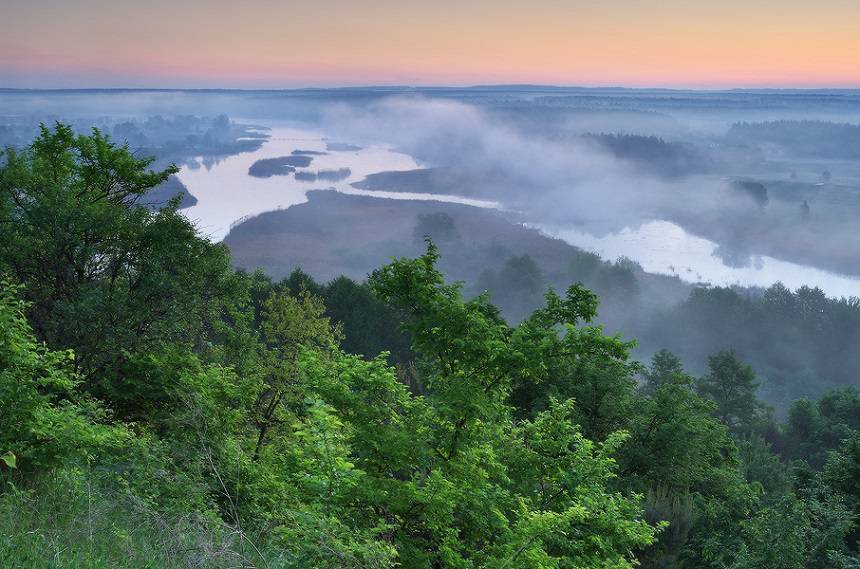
227 194
666 248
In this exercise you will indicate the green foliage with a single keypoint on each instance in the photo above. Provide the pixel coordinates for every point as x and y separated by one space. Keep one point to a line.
65 519
786 524
9 459
798 533
520 495
664 367
289 325
686 461
732 385
105 276
759 464
714 541
676 445
44 423
575 362
816 427
162 410
369 326
838 484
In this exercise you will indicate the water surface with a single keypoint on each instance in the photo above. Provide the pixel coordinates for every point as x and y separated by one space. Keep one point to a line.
227 194
665 248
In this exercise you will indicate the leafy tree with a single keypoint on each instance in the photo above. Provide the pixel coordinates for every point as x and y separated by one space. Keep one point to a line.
732 385
105 276
290 324
675 443
759 464
840 476
300 281
714 540
369 326
685 461
549 506
814 428
583 364
776 537
664 366
804 531
44 423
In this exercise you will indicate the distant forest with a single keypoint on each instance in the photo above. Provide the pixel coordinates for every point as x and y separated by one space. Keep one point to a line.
655 155
823 139
800 341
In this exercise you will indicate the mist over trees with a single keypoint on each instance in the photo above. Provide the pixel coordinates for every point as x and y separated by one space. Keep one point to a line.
800 341
681 166
669 159
824 139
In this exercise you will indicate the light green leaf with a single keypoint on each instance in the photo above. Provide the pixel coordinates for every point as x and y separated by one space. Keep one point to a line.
9 459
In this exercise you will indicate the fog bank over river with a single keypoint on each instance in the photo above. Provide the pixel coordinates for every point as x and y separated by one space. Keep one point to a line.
227 194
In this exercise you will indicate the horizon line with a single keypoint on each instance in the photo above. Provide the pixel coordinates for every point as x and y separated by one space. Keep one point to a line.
522 86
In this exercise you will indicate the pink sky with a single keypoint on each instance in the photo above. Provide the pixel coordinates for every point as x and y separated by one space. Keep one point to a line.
280 43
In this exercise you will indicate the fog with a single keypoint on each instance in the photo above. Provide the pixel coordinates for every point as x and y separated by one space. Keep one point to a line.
680 193
594 161
574 181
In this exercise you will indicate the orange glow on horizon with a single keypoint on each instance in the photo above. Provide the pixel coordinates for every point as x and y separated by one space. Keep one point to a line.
267 44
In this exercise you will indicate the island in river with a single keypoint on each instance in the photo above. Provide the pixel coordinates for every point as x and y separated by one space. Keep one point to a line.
280 166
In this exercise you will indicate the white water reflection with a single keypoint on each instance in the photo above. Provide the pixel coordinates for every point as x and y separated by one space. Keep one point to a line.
226 193
665 248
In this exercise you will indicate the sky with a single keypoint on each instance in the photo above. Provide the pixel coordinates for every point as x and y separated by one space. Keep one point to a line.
304 43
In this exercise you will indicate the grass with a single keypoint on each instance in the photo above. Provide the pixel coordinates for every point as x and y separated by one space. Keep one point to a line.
65 521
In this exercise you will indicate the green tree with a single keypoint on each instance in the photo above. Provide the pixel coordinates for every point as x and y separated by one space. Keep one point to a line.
675 442
840 479
684 460
815 428
759 464
579 362
105 275
732 385
805 531
44 423
369 326
289 325
475 488
664 366
776 537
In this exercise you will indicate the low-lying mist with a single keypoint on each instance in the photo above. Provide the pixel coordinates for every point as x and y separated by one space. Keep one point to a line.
577 180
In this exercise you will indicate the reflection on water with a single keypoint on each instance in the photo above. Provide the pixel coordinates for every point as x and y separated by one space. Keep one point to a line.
226 193
663 247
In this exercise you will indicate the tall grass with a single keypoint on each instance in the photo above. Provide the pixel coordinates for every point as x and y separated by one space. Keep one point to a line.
65 520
